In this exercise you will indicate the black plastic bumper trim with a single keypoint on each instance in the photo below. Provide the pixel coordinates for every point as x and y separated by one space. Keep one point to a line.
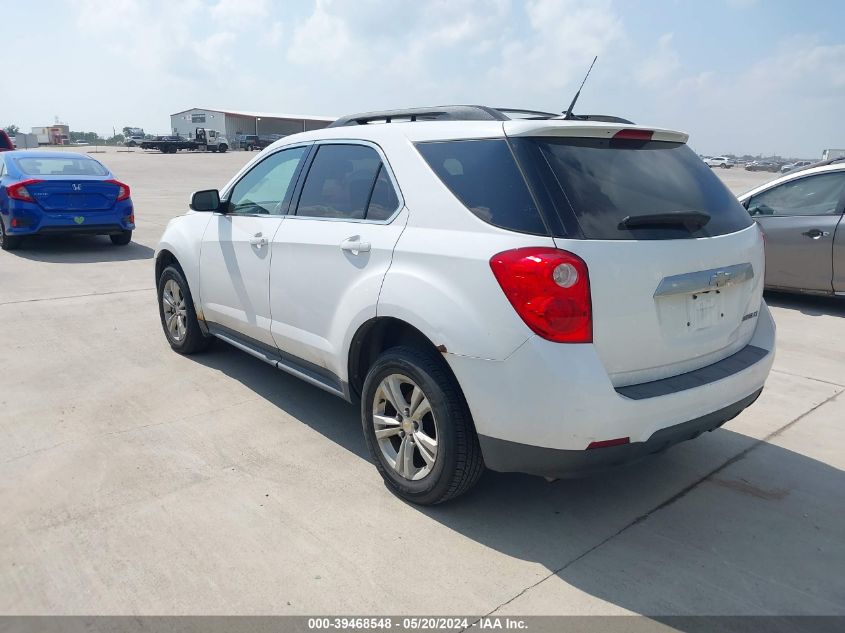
506 456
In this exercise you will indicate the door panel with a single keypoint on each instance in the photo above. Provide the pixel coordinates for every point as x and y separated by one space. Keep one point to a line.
235 271
798 251
322 282
235 255
839 258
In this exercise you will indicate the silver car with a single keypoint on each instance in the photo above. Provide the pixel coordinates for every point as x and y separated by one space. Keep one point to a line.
801 215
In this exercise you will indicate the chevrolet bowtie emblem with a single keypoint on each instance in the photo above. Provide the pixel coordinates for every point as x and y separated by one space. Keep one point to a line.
720 279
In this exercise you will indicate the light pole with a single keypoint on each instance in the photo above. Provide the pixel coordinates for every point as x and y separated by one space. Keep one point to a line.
257 119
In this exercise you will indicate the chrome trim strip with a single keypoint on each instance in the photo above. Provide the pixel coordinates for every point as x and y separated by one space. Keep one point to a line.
704 280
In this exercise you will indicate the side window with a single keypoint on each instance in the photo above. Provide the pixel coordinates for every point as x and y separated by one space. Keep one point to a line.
814 195
342 182
267 187
483 175
384 201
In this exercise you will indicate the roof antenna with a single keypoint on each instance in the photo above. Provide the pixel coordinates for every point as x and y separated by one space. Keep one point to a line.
568 114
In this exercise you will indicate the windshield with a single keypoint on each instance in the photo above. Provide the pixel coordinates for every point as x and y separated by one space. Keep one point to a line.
60 166
604 182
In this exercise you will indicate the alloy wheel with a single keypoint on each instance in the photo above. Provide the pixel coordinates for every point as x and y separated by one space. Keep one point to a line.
175 311
405 427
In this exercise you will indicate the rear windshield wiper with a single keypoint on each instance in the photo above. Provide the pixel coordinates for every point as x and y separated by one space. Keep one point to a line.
691 220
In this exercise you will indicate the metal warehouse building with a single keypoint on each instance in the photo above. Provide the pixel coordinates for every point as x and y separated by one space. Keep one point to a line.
233 123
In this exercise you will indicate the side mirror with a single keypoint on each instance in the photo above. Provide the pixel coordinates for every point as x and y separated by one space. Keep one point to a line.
206 200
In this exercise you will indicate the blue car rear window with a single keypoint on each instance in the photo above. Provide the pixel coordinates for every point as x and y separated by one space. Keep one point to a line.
60 166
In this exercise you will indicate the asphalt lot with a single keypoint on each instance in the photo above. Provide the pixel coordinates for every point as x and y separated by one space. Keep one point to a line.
137 481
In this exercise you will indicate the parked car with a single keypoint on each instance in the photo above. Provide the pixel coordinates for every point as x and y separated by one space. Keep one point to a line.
252 142
6 144
249 142
801 214
763 165
545 296
719 161
134 141
799 164
61 192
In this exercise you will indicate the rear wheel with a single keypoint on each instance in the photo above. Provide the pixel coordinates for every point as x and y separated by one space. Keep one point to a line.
178 317
121 239
418 428
8 242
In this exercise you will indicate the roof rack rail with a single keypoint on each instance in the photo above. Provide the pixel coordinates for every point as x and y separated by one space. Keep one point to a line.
464 113
435 113
532 114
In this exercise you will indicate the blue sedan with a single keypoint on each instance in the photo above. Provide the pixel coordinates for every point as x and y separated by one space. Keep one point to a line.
61 192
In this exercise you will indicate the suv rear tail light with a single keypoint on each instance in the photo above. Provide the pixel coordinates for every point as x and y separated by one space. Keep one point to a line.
550 291
18 190
122 189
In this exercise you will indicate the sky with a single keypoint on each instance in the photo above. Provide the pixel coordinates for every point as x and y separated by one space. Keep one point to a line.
740 76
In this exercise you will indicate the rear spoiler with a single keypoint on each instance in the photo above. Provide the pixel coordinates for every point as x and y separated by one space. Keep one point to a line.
587 129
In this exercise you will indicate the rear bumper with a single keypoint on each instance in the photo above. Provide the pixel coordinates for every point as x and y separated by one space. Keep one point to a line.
559 397
32 219
505 456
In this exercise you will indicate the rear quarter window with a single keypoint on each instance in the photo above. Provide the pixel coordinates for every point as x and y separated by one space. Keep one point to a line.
483 175
605 181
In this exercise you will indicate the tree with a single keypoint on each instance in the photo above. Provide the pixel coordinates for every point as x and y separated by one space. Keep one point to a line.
12 129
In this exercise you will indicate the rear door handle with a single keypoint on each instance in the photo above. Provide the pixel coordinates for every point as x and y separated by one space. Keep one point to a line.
815 234
354 245
258 240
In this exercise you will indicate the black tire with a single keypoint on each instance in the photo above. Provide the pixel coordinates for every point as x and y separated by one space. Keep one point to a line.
121 239
8 242
222 148
194 340
249 148
458 463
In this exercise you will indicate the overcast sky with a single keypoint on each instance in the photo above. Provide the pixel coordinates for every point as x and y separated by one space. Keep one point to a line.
739 75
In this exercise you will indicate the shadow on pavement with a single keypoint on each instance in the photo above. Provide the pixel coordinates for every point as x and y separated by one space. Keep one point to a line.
80 249
813 305
709 527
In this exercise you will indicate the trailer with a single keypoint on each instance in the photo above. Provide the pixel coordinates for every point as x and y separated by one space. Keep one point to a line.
203 141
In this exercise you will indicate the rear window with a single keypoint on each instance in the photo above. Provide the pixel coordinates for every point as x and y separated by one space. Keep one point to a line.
60 166
606 181
483 175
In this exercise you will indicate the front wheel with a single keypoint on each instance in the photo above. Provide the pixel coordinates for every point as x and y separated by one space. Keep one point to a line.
8 242
177 313
121 239
223 147
418 427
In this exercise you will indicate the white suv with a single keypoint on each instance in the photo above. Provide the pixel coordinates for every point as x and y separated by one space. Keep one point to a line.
719 161
548 296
